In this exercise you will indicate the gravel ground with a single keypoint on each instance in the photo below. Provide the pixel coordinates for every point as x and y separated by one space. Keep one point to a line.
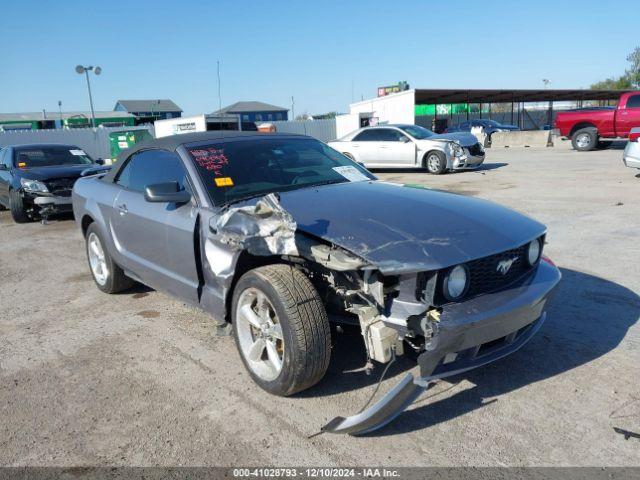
140 379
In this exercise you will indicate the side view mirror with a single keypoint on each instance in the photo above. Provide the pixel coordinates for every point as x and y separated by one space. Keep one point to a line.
166 193
100 161
3 167
404 139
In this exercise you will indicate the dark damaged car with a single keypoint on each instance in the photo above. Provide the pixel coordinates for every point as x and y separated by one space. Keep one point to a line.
36 180
279 235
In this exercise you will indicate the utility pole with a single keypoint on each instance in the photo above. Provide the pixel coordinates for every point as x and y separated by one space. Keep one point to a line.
293 112
80 69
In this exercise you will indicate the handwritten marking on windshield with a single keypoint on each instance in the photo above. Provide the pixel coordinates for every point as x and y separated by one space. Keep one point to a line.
212 159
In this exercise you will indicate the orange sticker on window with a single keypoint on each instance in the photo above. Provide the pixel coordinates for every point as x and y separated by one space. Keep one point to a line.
22 165
224 182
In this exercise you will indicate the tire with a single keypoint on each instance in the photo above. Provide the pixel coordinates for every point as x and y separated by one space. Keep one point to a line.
435 162
301 343
16 205
349 156
114 279
585 139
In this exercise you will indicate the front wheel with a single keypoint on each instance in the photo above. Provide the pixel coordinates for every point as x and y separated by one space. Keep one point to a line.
585 139
17 207
281 329
436 163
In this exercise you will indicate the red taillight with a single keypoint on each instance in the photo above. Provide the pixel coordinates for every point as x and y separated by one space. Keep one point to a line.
634 135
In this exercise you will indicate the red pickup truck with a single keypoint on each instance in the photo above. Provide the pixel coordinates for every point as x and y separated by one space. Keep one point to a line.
589 127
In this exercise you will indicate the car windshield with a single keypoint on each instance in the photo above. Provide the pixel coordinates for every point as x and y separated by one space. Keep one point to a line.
50 156
417 132
240 169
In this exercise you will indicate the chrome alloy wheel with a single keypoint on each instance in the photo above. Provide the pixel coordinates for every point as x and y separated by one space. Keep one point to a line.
583 140
97 260
433 162
259 334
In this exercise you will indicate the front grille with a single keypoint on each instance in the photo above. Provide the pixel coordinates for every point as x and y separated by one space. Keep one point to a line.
61 187
476 150
484 275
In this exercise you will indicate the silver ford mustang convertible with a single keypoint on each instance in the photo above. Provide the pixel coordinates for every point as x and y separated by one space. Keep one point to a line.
278 236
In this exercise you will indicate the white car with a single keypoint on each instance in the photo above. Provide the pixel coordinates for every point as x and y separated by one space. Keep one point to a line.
631 155
405 146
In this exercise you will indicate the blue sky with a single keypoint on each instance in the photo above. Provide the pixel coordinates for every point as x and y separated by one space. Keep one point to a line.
323 53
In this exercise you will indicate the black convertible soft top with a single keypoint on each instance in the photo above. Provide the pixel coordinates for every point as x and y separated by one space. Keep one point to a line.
172 143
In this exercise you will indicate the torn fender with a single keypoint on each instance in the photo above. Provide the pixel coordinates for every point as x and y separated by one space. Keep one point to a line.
261 229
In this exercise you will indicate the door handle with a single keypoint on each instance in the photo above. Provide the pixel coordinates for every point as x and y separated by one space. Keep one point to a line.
383 146
122 209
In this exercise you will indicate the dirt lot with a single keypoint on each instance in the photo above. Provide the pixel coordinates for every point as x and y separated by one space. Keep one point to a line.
140 379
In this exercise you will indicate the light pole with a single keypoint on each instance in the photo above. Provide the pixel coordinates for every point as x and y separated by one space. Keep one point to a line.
97 70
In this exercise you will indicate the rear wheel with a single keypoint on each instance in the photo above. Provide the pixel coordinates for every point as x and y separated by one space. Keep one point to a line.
108 276
18 210
281 329
435 162
585 139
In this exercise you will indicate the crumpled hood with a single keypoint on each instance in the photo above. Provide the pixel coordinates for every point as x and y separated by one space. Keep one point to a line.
407 229
465 139
47 173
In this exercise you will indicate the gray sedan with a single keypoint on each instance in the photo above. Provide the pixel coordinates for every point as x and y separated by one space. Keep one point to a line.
278 236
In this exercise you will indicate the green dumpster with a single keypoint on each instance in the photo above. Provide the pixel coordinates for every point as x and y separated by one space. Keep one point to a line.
124 139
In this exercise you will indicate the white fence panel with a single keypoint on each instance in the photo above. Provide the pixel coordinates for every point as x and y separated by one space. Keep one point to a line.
93 141
323 130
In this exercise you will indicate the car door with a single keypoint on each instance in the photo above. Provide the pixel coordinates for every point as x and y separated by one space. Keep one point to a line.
156 240
5 174
396 148
628 117
366 147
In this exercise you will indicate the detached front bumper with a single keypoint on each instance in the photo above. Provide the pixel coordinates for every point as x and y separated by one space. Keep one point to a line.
470 334
49 204
467 162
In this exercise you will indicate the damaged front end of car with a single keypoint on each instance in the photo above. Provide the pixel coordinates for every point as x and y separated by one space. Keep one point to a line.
395 308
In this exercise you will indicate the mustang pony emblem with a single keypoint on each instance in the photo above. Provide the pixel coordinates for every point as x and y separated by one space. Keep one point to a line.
505 265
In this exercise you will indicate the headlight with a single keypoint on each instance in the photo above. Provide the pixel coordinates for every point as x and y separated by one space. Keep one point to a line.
533 252
457 150
33 186
456 282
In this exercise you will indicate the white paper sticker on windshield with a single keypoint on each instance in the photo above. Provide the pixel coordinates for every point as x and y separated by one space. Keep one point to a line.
351 173
77 152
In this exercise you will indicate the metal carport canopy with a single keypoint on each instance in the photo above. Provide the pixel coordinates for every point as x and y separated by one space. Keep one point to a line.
444 96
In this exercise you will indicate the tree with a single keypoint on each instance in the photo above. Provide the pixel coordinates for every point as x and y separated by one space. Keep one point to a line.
620 83
633 74
628 81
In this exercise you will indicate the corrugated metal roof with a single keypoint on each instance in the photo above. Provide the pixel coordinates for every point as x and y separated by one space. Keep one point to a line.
149 105
252 106
52 115
444 96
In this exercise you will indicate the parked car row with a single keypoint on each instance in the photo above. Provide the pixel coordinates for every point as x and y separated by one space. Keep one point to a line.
281 236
